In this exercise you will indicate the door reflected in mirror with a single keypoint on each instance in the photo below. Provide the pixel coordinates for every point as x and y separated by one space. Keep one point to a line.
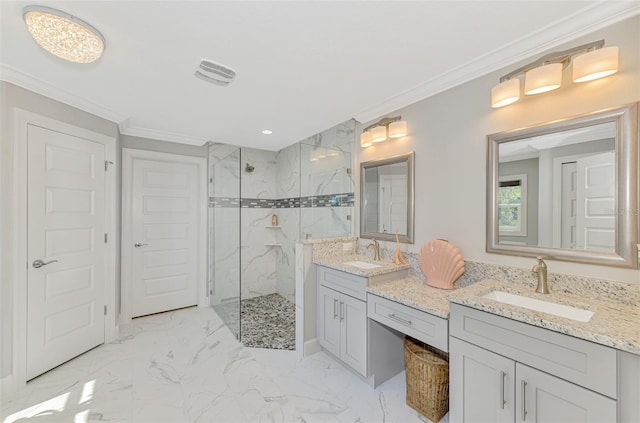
558 190
387 198
566 189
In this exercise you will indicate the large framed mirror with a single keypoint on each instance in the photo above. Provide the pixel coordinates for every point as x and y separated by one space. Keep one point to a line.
386 198
567 189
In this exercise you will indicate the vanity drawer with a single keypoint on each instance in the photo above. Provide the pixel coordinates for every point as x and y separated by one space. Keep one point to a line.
423 326
346 283
576 360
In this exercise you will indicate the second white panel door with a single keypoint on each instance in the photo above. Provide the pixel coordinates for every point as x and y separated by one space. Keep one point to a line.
165 233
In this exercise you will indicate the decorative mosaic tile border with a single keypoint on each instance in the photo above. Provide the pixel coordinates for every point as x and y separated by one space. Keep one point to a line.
329 200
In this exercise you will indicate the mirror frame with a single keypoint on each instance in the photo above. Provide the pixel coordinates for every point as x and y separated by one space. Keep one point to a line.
407 238
626 153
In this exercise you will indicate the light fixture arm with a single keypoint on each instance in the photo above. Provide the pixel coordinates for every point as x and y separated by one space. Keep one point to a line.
383 122
563 57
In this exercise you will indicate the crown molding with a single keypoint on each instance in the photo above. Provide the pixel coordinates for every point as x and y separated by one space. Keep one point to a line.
154 134
583 22
31 83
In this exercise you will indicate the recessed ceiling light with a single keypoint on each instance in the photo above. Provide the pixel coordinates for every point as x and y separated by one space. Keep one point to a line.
267 132
63 35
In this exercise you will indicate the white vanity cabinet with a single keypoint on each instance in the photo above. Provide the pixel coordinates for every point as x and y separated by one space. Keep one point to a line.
507 371
487 387
342 327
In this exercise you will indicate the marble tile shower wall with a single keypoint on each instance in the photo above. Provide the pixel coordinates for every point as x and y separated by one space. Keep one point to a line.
328 170
309 187
288 203
257 259
224 223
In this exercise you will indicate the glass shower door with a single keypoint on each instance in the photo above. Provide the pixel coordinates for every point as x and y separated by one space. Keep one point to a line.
224 234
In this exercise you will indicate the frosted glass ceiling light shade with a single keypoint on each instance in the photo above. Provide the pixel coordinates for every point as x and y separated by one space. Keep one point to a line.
398 129
505 93
365 139
378 133
543 79
595 64
64 35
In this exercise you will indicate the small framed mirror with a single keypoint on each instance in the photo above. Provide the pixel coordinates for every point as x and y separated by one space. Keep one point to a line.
387 198
566 190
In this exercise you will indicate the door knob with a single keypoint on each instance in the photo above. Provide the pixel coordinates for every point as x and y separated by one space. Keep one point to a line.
140 244
39 263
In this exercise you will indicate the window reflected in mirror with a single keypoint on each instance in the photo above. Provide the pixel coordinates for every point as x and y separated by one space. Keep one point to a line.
566 189
558 190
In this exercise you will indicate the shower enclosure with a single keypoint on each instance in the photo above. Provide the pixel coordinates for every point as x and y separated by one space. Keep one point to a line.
309 189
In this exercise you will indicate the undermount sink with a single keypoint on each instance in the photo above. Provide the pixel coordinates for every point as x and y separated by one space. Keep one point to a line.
560 310
362 264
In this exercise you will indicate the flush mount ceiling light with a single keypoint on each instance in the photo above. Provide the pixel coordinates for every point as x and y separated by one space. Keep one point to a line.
267 131
64 35
590 61
385 128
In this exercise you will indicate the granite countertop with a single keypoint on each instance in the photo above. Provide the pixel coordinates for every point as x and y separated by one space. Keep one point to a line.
338 264
613 324
415 293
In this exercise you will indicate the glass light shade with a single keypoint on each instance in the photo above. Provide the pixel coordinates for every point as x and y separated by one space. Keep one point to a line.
595 64
505 93
398 129
543 78
365 139
64 35
378 133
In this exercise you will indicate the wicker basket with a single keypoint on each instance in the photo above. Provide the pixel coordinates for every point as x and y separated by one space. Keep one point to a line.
427 370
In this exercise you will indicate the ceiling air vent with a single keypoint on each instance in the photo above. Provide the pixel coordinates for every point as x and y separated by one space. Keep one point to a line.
215 73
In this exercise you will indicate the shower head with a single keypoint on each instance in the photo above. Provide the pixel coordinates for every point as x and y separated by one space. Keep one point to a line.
248 168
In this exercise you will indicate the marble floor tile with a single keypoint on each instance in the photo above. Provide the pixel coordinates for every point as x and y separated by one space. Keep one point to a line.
186 366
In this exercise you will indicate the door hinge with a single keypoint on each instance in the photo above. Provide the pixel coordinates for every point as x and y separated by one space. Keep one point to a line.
105 238
105 310
106 165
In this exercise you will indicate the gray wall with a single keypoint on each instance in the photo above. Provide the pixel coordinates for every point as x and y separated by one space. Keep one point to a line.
448 134
13 97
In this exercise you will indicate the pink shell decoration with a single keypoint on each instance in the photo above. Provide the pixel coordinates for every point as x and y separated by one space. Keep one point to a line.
441 262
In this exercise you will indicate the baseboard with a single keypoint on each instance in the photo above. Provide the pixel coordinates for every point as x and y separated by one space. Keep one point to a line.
311 347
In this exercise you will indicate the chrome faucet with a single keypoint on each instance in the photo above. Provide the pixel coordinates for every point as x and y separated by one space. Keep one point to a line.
541 270
376 249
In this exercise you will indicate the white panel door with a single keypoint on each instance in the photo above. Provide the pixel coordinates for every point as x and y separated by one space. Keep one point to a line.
596 217
66 226
165 220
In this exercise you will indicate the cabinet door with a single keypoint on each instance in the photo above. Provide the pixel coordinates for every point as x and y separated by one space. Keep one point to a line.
353 345
544 398
328 324
481 385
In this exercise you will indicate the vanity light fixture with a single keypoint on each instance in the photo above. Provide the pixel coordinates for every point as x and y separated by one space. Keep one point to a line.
542 79
590 61
63 35
382 130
